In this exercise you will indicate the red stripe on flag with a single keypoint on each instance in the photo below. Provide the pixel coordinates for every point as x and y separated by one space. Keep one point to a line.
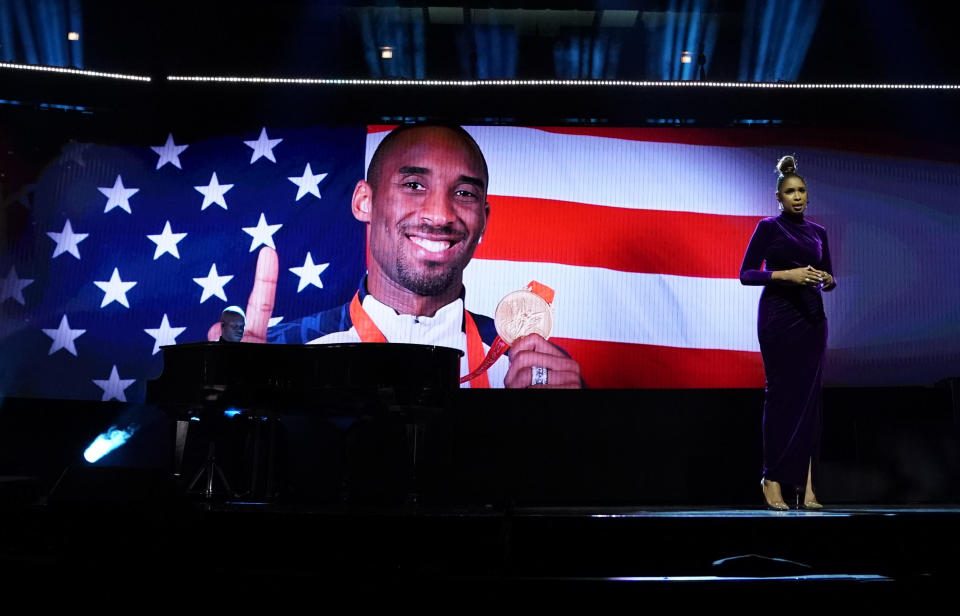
642 366
647 241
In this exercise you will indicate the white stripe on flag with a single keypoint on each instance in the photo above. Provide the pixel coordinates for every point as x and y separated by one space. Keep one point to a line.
600 304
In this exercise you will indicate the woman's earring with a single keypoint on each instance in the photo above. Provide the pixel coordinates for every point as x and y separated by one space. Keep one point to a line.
780 206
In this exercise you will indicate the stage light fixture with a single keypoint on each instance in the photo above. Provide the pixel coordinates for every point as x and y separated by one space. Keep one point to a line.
686 57
386 52
73 36
108 441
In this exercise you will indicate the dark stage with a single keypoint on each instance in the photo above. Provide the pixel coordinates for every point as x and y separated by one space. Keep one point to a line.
868 552
652 493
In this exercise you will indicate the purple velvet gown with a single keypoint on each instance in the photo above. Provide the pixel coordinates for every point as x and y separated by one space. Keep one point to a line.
792 329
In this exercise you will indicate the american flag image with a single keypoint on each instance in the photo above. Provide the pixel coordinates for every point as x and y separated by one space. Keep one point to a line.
639 231
644 262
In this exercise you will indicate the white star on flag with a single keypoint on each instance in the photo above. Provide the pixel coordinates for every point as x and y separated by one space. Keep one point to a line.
164 334
263 147
13 286
63 337
213 284
262 233
166 241
118 196
213 192
114 386
66 240
114 290
309 273
169 152
308 183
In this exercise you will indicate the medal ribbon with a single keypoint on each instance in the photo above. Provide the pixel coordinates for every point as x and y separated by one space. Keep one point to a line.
369 332
499 346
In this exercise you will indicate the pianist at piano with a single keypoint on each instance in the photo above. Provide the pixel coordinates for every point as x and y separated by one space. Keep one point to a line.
425 209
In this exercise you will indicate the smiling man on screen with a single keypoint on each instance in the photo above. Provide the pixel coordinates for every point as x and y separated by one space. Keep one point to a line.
425 206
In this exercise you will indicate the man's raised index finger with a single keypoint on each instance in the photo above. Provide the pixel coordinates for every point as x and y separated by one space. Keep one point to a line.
260 304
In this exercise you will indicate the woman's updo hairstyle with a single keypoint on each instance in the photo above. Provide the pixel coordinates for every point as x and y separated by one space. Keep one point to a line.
787 168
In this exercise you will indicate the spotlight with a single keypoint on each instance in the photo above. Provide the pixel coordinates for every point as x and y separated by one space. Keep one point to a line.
386 52
686 57
107 442
73 36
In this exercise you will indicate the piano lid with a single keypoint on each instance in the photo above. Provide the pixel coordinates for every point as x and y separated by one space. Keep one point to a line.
294 373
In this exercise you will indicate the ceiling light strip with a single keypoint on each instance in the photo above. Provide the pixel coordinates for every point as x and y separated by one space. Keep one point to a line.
71 71
565 82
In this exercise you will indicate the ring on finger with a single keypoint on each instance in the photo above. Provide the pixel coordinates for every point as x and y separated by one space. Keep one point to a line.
538 375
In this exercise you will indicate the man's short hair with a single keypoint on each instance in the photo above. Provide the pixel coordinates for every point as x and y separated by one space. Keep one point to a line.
236 309
374 170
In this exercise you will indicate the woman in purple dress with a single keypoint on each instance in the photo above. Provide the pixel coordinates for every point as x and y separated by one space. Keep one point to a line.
792 329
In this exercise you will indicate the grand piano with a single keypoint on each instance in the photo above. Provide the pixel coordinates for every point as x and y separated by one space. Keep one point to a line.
311 378
201 381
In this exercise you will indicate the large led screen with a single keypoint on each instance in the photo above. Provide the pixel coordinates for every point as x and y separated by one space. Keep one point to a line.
114 250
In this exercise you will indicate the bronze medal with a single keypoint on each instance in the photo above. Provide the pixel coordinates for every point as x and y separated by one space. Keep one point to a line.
518 314
522 313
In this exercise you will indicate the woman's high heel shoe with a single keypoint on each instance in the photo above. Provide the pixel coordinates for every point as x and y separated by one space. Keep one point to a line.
771 494
809 503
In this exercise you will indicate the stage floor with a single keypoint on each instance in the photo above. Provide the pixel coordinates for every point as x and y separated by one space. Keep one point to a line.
870 551
582 511
734 512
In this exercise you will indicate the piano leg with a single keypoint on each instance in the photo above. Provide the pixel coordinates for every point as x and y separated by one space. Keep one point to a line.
180 442
255 437
415 431
271 428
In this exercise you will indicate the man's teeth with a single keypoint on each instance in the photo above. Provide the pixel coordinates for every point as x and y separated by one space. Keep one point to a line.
431 245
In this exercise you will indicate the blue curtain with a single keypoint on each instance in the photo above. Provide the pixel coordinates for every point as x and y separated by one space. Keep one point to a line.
401 29
587 54
776 38
496 48
35 32
691 25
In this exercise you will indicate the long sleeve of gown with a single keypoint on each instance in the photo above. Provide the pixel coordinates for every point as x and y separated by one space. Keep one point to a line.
825 263
750 270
